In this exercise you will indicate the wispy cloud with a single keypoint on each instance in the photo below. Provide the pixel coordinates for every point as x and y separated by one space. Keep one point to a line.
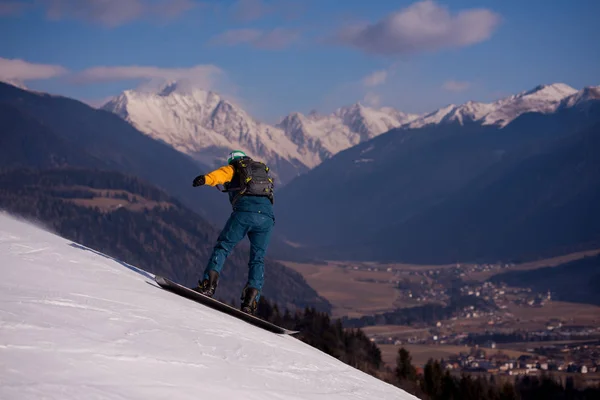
456 86
375 79
109 13
152 78
205 76
423 26
17 70
276 39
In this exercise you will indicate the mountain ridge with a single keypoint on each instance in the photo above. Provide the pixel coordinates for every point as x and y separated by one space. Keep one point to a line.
206 126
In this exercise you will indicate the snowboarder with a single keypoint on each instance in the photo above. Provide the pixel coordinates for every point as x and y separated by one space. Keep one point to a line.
250 189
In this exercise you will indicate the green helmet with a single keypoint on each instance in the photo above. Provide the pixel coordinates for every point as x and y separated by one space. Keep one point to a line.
235 155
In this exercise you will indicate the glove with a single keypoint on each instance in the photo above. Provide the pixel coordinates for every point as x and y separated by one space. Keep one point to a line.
199 181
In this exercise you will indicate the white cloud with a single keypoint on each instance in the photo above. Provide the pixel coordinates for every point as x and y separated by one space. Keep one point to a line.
205 76
112 13
375 79
275 39
423 26
151 79
456 86
17 70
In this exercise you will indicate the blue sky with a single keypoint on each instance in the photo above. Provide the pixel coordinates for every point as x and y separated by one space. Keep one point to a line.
276 57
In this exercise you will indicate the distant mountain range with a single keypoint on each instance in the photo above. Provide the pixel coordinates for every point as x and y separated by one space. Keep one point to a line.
542 99
458 189
205 126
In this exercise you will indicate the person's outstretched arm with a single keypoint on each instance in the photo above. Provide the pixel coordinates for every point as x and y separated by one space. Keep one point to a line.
217 177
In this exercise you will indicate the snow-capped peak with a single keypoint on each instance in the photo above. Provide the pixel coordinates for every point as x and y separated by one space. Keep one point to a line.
204 125
585 94
553 92
324 135
542 98
168 88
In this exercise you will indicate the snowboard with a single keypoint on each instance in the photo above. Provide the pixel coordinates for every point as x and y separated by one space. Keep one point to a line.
190 294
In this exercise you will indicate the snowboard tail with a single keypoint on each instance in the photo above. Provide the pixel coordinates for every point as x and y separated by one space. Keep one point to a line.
190 294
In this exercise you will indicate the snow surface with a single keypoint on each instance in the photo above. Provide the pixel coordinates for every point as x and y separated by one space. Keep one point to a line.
76 324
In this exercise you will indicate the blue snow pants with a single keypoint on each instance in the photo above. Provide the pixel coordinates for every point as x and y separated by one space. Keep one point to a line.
258 227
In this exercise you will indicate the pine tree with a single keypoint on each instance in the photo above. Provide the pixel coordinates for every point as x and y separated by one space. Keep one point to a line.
404 368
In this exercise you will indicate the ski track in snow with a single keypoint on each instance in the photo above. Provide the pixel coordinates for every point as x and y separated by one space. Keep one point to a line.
75 324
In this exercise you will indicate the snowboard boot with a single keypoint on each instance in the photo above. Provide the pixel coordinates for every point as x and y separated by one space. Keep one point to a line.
249 303
208 286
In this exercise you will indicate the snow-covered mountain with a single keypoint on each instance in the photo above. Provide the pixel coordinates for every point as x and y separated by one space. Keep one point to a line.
321 136
204 125
77 324
543 98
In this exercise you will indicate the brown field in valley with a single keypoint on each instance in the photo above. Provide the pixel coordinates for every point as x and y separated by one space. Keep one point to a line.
396 331
568 313
352 293
362 288
421 353
531 318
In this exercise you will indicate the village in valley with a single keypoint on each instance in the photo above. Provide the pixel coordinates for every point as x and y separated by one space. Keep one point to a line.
500 330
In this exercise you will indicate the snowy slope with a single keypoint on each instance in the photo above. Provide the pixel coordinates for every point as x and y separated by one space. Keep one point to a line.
205 126
79 325
543 98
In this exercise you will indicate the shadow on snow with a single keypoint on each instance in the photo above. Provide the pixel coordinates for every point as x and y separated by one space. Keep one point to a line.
131 267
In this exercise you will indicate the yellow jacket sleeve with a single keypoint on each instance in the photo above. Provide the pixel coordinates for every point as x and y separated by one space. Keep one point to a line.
219 176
